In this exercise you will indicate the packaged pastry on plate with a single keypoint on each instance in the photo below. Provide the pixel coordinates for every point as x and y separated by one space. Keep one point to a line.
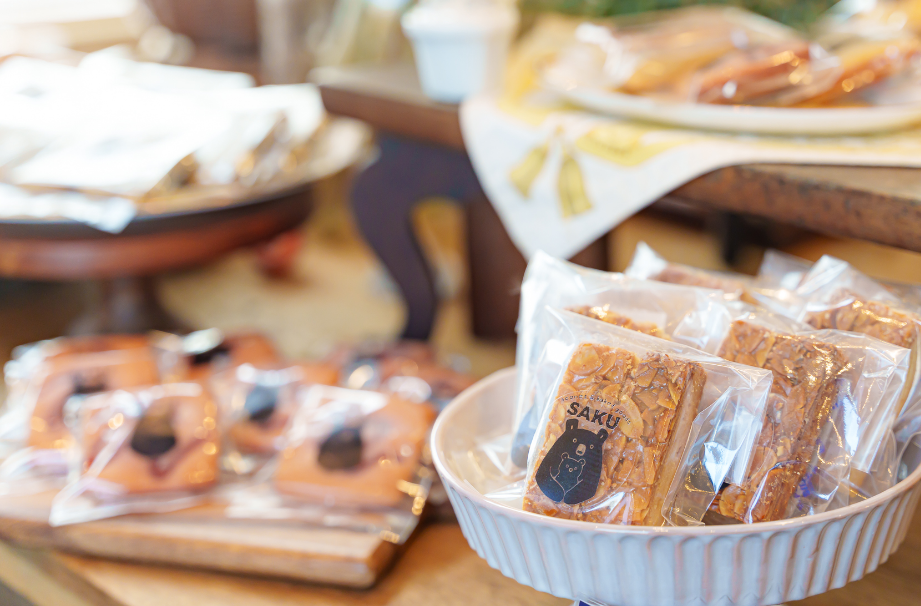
257 404
351 458
197 355
649 53
865 62
648 265
147 450
833 402
649 307
630 429
48 383
777 73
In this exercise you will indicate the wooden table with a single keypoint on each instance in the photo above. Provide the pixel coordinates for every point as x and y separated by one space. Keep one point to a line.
877 204
438 568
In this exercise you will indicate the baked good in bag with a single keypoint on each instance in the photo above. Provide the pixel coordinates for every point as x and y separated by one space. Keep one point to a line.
615 436
855 314
755 75
67 346
803 393
353 457
605 314
267 407
205 351
62 376
689 276
171 442
865 62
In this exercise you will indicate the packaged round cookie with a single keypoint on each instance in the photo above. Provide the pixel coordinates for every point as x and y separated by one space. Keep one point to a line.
652 308
409 367
629 427
197 355
146 450
351 458
257 406
51 381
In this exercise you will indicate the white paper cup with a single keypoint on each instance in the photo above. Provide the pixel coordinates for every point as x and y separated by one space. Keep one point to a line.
460 48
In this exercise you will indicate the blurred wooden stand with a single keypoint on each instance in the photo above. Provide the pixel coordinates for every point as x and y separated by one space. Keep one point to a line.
421 156
877 204
125 264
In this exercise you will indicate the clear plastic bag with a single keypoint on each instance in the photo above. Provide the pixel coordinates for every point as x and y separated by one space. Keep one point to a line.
407 368
148 450
257 404
834 399
777 73
648 265
781 270
47 382
635 429
834 295
650 307
650 53
351 458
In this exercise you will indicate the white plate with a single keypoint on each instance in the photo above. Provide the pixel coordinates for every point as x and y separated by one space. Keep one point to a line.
735 118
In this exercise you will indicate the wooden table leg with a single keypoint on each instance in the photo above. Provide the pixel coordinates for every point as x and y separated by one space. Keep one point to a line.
126 305
497 268
384 196
383 199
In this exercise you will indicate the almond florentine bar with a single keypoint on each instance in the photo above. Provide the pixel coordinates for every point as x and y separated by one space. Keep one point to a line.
604 314
615 436
870 318
802 394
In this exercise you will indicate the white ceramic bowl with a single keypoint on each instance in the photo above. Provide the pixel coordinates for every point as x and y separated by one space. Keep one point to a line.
756 564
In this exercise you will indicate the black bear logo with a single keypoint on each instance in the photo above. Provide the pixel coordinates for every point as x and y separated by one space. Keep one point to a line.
571 470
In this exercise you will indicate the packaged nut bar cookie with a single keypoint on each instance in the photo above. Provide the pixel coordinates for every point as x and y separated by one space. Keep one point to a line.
257 405
834 295
625 428
146 450
833 394
648 265
51 381
649 307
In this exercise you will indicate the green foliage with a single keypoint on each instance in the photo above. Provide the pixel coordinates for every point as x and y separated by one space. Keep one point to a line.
796 13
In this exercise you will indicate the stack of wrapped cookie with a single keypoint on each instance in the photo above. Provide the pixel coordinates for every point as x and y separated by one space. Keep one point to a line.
152 423
670 395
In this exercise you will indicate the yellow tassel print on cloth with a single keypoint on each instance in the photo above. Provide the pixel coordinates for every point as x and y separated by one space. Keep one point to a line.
571 188
523 174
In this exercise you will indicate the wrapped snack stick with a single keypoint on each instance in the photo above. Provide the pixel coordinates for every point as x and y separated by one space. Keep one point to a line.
614 439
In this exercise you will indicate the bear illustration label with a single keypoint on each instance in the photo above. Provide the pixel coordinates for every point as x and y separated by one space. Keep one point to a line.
571 470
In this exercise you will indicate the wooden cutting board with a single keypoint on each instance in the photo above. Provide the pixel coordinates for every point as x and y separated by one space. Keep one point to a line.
202 538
